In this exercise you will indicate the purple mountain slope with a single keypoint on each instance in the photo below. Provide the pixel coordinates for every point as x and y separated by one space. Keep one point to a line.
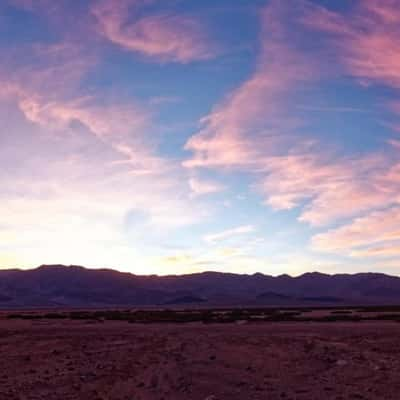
73 286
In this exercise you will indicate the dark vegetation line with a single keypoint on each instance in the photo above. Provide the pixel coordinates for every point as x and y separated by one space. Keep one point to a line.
385 313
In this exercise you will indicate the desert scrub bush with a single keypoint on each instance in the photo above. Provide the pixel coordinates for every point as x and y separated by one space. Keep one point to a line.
342 312
25 316
55 316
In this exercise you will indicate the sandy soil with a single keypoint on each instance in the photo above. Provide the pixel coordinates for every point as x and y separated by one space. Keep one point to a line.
121 361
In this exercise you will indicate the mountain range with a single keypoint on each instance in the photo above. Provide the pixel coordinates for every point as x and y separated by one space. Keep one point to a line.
75 286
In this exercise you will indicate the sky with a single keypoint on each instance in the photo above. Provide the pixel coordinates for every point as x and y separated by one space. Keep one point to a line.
178 136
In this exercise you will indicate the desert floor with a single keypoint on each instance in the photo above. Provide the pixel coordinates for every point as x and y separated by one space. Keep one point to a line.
116 360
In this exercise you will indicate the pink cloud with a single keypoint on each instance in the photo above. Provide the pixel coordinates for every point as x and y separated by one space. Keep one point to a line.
334 188
367 39
67 148
119 126
48 94
166 37
377 227
252 130
82 164
104 121
55 70
385 251
254 112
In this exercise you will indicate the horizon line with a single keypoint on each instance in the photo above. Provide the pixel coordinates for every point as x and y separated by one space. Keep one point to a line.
22 269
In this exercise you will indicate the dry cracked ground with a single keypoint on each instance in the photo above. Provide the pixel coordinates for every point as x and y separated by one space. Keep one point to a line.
55 360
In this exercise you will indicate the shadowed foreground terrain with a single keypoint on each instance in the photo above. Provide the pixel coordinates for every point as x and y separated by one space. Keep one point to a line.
116 360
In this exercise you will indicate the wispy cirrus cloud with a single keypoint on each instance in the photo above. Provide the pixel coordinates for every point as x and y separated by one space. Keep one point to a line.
229 233
163 36
80 169
366 39
160 34
201 187
89 166
252 130
335 187
55 71
384 251
375 228
58 105
255 110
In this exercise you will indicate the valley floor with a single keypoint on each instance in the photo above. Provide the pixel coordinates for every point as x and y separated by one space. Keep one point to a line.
113 360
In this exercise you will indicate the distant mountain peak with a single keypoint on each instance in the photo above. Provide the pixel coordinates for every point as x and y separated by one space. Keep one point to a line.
314 274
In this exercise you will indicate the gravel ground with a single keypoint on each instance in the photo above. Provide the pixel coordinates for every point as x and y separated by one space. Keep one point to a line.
121 361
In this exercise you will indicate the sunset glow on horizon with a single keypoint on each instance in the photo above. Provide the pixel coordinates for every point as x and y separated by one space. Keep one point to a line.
178 136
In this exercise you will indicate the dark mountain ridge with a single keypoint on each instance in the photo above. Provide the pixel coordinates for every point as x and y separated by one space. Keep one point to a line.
75 286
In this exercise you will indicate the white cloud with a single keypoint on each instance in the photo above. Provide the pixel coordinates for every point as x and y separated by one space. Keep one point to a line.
240 230
202 187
